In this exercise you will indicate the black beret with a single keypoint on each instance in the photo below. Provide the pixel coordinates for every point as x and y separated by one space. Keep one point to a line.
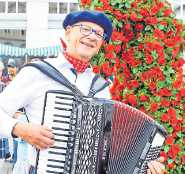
90 16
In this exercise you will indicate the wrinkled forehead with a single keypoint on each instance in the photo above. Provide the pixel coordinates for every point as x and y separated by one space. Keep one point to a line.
92 25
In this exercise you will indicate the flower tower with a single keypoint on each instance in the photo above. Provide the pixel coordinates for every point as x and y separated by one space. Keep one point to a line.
144 59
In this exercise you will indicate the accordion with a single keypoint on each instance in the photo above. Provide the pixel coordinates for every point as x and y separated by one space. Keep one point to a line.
97 136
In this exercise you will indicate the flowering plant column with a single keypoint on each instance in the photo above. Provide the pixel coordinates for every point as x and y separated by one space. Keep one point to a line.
144 59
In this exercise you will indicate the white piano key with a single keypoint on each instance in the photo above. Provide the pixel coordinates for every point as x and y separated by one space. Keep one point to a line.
58 150
60 144
61 137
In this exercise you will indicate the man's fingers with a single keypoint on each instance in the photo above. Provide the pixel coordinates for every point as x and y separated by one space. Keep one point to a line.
148 171
47 133
160 159
48 141
156 167
151 167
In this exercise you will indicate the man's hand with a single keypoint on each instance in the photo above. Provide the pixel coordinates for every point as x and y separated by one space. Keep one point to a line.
156 166
37 135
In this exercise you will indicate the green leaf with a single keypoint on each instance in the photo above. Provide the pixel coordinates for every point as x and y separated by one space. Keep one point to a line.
166 148
148 28
161 27
161 84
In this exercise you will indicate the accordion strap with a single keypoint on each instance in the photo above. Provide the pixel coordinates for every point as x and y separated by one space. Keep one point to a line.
49 70
98 83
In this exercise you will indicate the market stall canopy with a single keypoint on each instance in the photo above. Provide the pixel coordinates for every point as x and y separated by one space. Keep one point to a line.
6 50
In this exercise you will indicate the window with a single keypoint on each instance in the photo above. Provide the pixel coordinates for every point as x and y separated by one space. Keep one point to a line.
62 8
2 6
184 10
21 7
11 6
74 7
52 7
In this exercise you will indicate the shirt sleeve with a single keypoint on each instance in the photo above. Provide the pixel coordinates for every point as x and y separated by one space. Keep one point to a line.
16 95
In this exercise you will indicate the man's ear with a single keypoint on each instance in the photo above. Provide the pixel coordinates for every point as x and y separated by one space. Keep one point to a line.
67 32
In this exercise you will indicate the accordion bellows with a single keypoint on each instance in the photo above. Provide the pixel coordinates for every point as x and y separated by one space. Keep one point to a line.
97 136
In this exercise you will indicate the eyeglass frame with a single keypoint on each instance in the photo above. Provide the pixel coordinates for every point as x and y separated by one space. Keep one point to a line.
91 31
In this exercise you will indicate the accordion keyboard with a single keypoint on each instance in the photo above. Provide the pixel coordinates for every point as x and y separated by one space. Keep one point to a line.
58 113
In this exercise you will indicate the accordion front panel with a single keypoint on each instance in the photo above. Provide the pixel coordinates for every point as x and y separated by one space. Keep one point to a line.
77 128
59 117
135 140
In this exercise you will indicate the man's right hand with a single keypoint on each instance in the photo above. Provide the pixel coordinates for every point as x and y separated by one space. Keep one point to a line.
37 135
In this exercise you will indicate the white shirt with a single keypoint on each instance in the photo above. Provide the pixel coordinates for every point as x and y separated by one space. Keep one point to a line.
28 90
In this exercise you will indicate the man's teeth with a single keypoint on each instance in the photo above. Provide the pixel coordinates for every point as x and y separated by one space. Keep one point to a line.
89 45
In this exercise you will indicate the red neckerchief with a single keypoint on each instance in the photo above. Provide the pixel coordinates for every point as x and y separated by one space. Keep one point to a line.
78 65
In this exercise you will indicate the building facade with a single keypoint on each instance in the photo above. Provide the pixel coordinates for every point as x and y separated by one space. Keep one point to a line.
33 23
38 23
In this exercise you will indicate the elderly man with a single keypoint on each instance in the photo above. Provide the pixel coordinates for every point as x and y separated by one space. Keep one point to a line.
85 33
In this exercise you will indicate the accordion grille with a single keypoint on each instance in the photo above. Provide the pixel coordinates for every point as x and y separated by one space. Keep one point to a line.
136 128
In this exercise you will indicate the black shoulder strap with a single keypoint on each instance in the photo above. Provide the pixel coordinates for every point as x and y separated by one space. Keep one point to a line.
54 74
98 84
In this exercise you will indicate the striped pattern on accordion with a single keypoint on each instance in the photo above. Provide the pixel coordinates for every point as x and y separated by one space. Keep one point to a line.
97 136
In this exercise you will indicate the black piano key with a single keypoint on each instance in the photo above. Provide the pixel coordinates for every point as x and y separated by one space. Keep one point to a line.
59 115
59 121
55 166
64 109
59 140
49 171
61 129
56 153
62 135
67 98
58 161
58 147
63 104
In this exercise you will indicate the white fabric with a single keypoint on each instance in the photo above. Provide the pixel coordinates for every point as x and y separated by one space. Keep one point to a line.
28 90
5 167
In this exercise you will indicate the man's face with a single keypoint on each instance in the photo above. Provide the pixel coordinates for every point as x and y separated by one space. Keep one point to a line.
84 40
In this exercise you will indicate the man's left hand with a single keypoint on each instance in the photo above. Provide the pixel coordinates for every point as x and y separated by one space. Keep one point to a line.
156 166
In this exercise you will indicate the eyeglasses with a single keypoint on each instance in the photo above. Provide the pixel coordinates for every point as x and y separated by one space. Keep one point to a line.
87 30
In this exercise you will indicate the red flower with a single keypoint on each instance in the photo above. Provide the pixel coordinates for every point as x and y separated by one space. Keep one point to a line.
144 12
165 103
159 34
182 92
109 48
149 59
165 92
152 86
144 98
133 16
170 140
172 112
171 165
139 27
132 99
151 20
164 155
96 69
165 118
117 48
154 10
173 151
167 12
154 107
183 159
86 2
133 84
